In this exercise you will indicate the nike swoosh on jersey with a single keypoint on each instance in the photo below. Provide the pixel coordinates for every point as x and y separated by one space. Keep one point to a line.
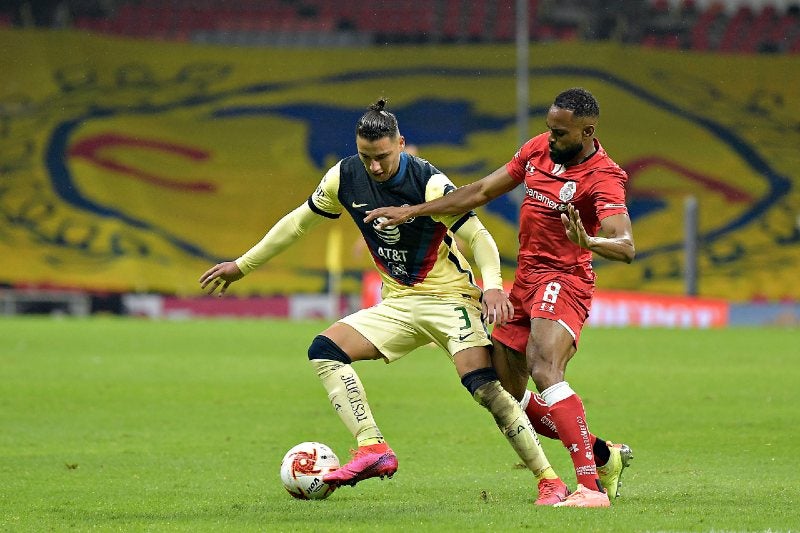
464 337
356 206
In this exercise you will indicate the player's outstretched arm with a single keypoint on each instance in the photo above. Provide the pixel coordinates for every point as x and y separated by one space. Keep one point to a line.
496 307
456 202
284 233
617 245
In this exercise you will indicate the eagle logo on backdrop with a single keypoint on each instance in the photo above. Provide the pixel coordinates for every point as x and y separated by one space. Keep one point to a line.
115 178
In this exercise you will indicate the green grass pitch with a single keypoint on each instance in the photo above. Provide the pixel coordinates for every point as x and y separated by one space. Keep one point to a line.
135 425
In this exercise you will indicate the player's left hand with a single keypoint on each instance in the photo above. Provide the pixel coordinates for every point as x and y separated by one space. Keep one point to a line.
574 227
496 307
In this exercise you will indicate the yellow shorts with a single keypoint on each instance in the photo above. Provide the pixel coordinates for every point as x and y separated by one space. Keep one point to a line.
396 326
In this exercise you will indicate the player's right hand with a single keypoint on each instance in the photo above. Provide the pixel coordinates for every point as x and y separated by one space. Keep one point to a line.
388 216
220 276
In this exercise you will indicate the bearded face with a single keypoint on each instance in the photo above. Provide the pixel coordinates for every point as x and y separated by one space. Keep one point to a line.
565 154
570 136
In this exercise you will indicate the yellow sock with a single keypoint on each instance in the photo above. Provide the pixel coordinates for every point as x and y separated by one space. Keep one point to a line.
515 425
548 473
347 396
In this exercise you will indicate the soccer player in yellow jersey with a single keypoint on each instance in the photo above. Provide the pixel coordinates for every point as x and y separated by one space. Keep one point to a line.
429 295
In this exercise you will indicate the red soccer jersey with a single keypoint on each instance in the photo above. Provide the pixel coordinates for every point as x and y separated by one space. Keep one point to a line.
596 187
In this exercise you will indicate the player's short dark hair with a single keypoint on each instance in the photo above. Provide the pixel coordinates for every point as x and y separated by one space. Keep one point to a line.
377 123
579 101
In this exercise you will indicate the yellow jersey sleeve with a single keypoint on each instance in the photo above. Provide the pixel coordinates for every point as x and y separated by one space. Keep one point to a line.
326 196
470 229
323 203
484 251
438 186
283 234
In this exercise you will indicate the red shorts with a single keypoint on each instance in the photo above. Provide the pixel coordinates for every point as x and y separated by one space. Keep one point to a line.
551 295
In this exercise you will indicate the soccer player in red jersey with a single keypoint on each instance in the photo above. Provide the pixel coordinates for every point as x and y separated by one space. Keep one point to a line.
574 206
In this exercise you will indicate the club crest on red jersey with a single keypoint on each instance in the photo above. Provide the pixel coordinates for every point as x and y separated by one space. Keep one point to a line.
567 191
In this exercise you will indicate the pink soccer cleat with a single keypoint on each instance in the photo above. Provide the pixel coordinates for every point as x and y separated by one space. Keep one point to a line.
583 497
377 460
551 491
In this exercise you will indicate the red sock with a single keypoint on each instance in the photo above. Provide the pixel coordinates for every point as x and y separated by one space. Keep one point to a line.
570 420
538 414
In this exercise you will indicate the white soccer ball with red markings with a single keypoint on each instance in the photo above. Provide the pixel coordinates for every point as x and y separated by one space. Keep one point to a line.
302 469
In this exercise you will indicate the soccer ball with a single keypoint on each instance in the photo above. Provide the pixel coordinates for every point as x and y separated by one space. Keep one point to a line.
302 469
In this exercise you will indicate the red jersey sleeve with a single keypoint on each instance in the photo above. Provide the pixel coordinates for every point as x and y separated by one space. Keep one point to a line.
516 167
608 192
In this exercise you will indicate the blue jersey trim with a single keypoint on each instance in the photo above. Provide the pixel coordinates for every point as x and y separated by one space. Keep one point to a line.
460 222
401 171
319 211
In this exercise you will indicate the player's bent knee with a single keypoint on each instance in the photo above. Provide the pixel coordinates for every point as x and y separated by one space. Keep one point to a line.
324 348
478 378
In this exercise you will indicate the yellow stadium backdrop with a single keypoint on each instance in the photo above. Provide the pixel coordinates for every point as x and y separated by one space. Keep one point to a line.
133 166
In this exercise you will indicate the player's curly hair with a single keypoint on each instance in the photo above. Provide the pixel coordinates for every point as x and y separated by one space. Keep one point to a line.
377 123
579 101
